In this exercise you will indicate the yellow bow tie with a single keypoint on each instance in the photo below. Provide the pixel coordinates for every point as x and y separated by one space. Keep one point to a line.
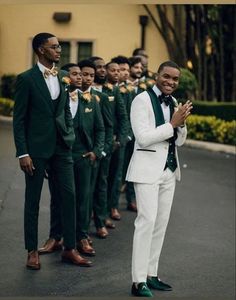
52 72
74 95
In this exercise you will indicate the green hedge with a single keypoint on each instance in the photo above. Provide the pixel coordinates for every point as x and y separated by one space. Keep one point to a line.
6 107
211 129
221 110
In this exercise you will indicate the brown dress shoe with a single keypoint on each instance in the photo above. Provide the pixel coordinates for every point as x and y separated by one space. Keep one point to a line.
115 215
132 207
73 257
51 245
33 260
84 247
109 224
102 232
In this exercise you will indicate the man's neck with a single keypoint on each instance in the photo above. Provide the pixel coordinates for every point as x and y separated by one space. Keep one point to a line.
46 64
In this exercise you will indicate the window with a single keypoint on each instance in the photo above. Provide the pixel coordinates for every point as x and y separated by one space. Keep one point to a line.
72 52
84 50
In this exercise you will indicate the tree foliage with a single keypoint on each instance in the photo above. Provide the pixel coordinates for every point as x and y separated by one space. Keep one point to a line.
203 39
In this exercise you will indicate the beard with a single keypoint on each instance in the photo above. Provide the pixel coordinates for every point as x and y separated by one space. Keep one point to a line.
99 80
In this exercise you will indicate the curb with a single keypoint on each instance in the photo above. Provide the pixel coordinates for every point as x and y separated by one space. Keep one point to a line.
5 119
211 146
189 143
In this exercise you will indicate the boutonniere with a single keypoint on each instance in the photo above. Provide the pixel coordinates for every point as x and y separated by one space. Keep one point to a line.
74 95
109 86
86 96
150 82
129 88
143 86
123 89
66 80
87 110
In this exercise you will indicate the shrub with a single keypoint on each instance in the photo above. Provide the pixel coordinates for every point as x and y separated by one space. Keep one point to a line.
6 107
211 129
187 85
222 110
8 85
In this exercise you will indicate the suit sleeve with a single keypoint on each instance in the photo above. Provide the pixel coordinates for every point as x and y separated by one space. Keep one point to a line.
22 92
99 131
108 123
122 118
145 134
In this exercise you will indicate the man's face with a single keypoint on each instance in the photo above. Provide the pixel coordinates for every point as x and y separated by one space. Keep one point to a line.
88 75
51 50
100 68
124 72
168 80
136 71
75 77
113 73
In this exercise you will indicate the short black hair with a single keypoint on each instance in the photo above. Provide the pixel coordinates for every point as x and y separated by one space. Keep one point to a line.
86 63
134 60
94 58
68 66
120 59
40 39
110 62
168 63
136 51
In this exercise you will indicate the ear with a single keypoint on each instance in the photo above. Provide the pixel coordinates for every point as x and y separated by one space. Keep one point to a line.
41 50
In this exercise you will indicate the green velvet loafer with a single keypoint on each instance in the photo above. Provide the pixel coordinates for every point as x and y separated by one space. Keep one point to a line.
141 291
157 284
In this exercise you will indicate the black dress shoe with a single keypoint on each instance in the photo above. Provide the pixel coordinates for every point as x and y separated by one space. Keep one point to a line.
157 284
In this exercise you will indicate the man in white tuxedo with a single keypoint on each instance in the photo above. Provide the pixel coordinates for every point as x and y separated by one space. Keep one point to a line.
158 123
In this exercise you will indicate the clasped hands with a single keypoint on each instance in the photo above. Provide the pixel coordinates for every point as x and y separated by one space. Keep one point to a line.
181 114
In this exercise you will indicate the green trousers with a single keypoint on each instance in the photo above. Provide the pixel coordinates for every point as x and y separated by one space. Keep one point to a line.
61 165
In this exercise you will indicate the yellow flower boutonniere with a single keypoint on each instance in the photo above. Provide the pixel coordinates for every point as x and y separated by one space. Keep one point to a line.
123 90
109 86
66 80
143 86
129 88
74 95
150 82
86 96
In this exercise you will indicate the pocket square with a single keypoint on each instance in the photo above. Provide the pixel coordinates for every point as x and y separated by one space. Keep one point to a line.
87 110
111 98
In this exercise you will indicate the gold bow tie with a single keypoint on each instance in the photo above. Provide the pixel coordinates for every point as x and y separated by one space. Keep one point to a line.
74 95
52 72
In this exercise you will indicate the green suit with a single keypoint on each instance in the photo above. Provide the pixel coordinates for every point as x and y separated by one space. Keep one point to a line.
99 176
43 129
90 136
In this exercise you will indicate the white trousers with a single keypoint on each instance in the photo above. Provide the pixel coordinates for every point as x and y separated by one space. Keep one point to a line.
154 203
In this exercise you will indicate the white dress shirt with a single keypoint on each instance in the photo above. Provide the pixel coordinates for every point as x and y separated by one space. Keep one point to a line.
51 81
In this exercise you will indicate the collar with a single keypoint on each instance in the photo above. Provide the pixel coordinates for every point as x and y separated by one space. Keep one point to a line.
156 90
42 68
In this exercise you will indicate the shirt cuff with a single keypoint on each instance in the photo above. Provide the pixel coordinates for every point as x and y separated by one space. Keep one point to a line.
24 155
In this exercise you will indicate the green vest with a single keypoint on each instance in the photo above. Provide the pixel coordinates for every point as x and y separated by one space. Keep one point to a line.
171 162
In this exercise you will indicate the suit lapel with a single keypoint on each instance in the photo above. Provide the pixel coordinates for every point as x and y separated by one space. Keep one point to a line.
63 94
42 86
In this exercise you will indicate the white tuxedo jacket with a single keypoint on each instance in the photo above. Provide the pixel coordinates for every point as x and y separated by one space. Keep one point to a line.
151 148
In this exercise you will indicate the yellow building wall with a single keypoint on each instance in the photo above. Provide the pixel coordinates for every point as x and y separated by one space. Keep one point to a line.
114 29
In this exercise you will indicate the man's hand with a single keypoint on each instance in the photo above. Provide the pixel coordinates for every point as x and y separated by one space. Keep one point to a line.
91 155
181 114
26 165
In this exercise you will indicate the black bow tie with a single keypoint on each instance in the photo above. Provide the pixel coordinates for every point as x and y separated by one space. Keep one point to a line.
165 98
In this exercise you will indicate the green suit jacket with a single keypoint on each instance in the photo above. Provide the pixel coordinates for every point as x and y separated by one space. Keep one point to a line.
36 123
89 128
